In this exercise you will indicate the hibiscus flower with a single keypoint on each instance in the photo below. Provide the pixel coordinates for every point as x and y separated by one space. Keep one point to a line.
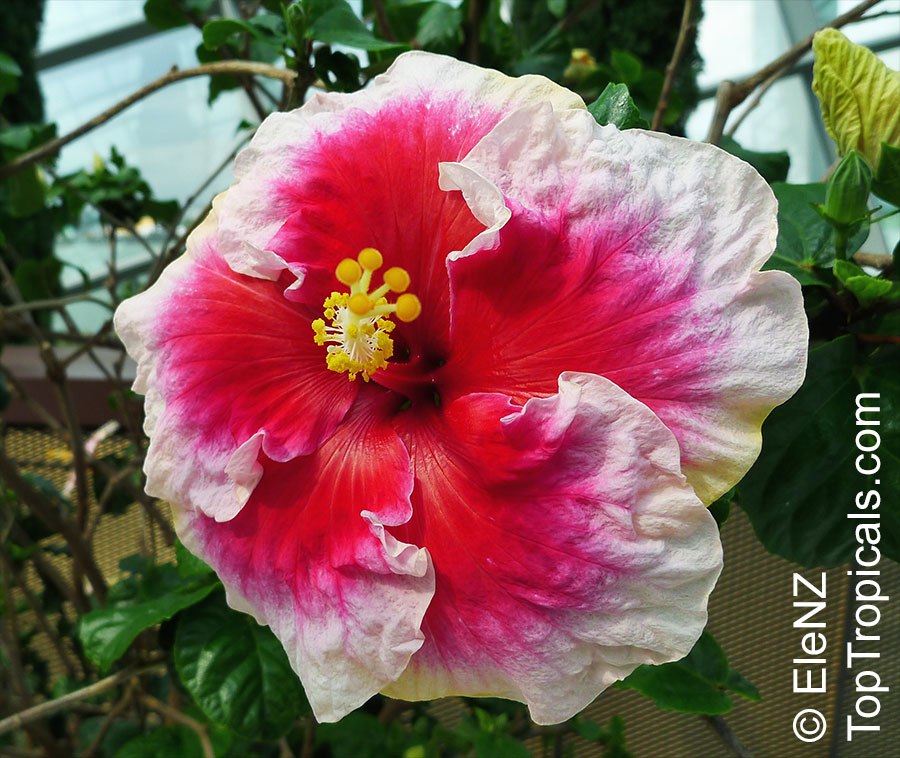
441 387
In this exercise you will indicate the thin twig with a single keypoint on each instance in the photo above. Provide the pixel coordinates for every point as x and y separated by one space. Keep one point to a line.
472 31
21 394
752 105
309 737
43 622
110 718
52 516
10 647
48 572
728 737
684 32
732 94
177 716
51 707
51 303
381 21
209 69
875 260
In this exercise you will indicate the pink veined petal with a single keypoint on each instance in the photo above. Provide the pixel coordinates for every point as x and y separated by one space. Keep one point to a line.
311 556
634 256
567 546
229 367
352 171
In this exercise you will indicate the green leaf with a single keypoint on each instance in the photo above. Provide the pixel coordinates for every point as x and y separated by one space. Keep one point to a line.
615 106
627 66
805 240
189 564
139 603
237 671
175 740
440 27
858 94
695 684
773 167
219 31
10 73
885 324
557 7
21 137
887 176
867 289
334 22
805 482
24 192
169 14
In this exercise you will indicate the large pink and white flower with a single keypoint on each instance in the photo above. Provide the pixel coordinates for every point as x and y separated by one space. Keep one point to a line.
509 499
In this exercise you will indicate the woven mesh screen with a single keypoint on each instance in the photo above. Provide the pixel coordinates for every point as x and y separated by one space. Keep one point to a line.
751 615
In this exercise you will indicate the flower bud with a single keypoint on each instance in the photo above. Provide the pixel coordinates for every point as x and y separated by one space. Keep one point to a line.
847 193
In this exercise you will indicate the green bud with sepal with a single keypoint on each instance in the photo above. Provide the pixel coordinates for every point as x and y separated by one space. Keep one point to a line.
847 191
859 96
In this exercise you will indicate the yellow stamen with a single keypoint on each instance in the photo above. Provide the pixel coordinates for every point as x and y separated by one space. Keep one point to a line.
370 258
408 307
360 324
397 279
348 272
359 304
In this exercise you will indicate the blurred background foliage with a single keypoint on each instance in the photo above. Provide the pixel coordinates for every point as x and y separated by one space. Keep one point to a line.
112 653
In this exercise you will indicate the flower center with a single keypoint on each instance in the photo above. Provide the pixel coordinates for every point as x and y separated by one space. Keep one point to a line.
360 325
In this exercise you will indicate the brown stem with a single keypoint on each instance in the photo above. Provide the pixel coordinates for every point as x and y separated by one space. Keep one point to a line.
51 707
111 716
309 737
472 31
752 105
728 737
9 645
875 260
732 94
55 302
392 709
51 515
684 32
43 622
381 20
20 393
180 718
220 67
48 572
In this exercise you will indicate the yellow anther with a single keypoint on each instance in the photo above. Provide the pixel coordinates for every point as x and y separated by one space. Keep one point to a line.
370 258
397 279
348 272
408 307
360 304
356 331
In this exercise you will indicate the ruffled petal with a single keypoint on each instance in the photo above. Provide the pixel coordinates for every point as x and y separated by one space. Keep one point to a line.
347 172
228 367
311 556
568 548
635 256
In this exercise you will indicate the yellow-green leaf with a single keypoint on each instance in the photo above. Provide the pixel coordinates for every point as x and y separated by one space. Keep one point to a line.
858 93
